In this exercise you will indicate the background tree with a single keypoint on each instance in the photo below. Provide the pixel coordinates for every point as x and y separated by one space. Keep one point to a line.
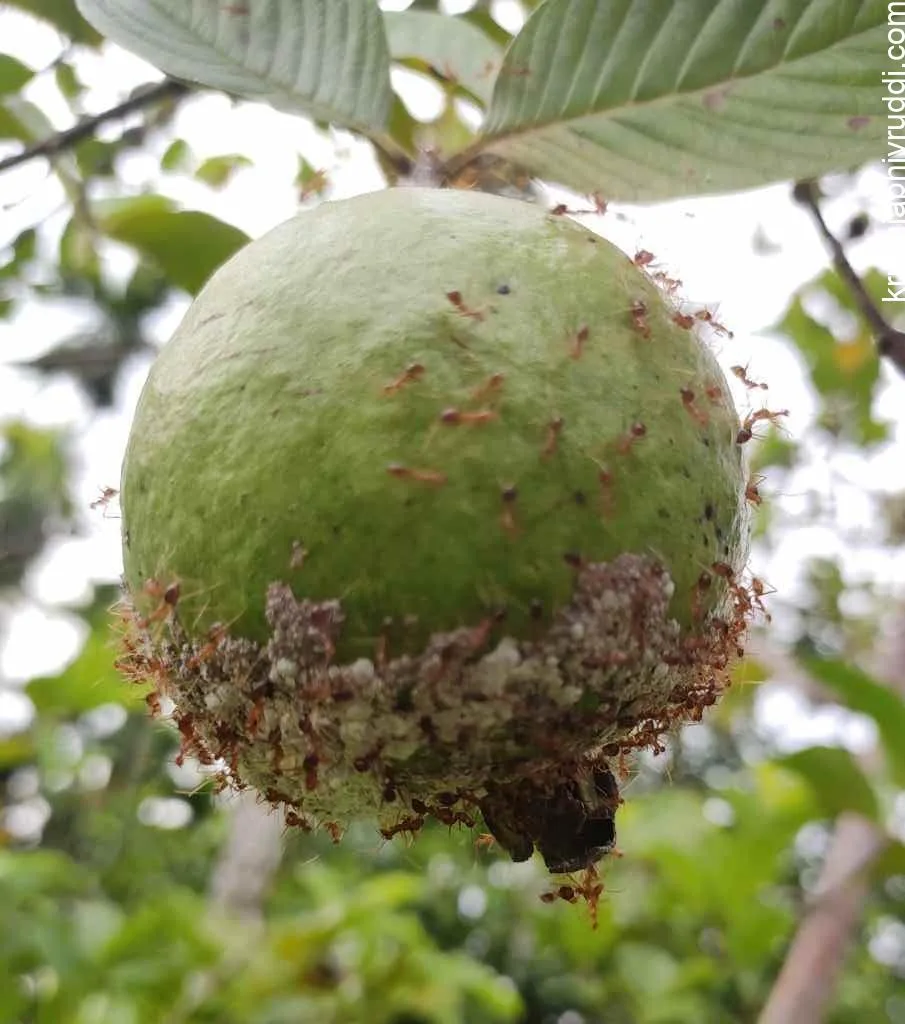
764 871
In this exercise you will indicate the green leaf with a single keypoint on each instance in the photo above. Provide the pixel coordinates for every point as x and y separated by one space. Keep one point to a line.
63 15
452 47
216 171
324 58
178 156
837 781
187 245
13 74
23 120
844 372
651 99
861 693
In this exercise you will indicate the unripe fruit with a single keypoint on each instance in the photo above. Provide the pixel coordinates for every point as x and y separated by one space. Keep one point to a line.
433 503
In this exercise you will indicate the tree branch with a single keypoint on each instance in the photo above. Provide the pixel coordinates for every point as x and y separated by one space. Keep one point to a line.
890 342
146 96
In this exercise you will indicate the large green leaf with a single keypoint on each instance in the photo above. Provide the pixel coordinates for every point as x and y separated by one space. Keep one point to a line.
187 245
837 781
451 46
861 693
648 99
324 58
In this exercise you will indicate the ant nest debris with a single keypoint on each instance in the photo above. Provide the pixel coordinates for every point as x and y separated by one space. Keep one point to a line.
524 732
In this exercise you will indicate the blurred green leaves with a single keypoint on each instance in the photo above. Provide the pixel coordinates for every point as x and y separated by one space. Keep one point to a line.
187 245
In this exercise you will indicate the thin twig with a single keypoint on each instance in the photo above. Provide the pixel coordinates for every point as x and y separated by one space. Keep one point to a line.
87 126
890 342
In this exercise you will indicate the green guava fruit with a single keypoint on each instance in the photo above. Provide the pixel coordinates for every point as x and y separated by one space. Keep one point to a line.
435 503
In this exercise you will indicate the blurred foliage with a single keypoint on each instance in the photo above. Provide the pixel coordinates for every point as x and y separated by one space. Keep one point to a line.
107 847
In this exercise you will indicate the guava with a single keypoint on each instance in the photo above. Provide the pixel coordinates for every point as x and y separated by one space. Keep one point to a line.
434 505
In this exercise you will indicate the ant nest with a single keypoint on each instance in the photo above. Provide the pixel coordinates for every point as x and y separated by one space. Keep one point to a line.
524 732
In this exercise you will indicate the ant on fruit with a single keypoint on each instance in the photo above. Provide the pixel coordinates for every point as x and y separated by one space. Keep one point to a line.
413 372
752 491
625 443
106 496
684 320
168 596
643 258
507 516
746 433
454 417
688 402
456 299
411 824
554 429
421 476
638 313
493 383
742 373
579 341
705 316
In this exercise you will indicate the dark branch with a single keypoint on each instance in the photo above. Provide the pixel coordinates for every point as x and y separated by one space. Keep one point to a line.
890 342
87 126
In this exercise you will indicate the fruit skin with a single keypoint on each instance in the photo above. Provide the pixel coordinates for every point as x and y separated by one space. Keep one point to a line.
430 507
270 423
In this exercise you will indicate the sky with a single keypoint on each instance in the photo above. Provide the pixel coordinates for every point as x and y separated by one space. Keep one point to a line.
741 255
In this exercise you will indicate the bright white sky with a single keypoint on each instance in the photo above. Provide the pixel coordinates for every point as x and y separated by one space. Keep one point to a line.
708 243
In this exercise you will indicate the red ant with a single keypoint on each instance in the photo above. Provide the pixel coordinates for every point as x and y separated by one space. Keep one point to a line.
215 635
554 429
493 383
411 373
456 299
578 342
411 824
107 495
454 417
752 492
698 415
746 433
705 316
715 393
742 373
643 258
669 284
334 830
507 516
168 597
421 476
635 433
638 313
684 321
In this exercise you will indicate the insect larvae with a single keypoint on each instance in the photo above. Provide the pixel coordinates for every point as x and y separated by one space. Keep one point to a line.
698 415
454 417
415 371
421 476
